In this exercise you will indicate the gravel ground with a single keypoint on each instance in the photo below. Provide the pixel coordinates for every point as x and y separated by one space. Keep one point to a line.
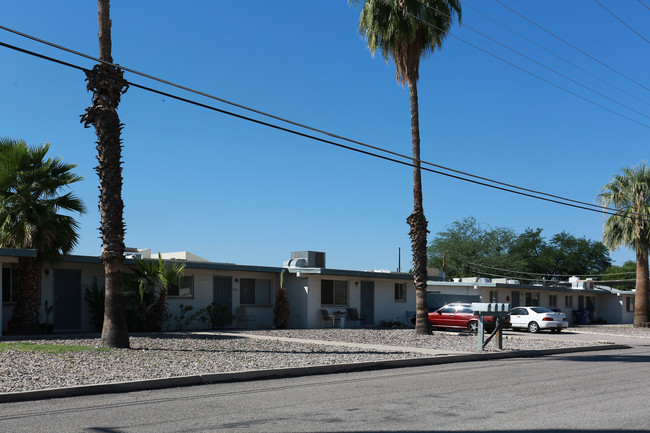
180 354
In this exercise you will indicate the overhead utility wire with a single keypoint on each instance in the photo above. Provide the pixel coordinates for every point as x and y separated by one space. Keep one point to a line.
574 47
540 64
530 73
647 7
557 55
549 275
550 282
291 131
623 22
302 125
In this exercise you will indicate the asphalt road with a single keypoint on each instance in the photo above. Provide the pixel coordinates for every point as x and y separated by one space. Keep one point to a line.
582 392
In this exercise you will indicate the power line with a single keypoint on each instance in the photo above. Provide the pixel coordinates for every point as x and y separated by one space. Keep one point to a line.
573 46
557 55
409 164
623 22
539 63
647 7
529 73
546 274
303 125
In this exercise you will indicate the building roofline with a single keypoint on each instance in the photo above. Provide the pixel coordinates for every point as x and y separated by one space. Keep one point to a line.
17 252
351 273
432 284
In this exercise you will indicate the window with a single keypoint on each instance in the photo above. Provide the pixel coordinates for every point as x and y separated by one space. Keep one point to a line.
185 287
532 299
400 292
629 304
494 296
568 301
9 284
552 300
255 291
334 292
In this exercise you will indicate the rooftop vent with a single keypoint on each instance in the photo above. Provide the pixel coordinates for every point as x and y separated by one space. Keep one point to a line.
313 259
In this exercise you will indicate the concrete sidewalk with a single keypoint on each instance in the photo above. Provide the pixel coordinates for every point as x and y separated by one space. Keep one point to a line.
374 347
435 357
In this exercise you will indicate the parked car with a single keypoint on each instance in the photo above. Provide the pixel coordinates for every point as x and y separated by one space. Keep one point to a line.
537 318
459 316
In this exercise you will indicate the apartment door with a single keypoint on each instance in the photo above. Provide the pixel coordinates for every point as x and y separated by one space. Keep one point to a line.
515 300
67 299
368 302
222 291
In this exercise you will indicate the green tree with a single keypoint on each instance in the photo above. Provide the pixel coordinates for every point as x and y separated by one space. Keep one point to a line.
621 277
107 84
466 243
30 217
406 30
147 292
568 255
472 249
629 194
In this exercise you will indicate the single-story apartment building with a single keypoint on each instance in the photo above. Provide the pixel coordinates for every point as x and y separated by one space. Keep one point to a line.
311 287
605 303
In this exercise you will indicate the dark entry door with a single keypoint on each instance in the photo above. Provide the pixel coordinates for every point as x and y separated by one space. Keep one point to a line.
67 299
515 299
222 291
368 302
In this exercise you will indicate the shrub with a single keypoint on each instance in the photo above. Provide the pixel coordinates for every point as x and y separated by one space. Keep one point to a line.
214 316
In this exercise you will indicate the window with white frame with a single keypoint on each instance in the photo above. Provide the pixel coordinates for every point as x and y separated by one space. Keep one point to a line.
255 291
9 285
552 300
184 288
568 301
400 292
334 292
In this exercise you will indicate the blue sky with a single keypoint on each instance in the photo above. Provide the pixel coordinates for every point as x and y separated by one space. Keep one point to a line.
233 191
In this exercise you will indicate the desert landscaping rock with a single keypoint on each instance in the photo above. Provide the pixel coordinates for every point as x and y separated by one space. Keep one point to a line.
180 354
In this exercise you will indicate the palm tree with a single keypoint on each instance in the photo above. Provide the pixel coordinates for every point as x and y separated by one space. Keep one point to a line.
107 84
30 202
148 290
406 30
629 193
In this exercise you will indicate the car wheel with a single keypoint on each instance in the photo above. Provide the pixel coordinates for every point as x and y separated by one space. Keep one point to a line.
472 326
533 327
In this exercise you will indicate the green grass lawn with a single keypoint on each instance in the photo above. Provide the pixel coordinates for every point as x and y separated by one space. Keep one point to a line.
47 348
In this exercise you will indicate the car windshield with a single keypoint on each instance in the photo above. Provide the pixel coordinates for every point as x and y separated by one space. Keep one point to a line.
541 310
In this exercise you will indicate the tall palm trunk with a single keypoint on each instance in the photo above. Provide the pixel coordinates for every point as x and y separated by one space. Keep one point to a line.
418 223
26 314
642 290
107 85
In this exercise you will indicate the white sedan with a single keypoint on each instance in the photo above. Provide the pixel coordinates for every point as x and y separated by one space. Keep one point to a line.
537 318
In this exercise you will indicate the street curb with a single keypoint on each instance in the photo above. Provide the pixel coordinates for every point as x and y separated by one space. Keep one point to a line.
281 373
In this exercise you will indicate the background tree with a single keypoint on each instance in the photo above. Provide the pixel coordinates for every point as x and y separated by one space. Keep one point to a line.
406 30
629 193
107 84
466 243
472 249
30 206
621 277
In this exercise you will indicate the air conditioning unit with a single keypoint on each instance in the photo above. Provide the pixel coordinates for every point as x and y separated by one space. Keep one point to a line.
314 259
